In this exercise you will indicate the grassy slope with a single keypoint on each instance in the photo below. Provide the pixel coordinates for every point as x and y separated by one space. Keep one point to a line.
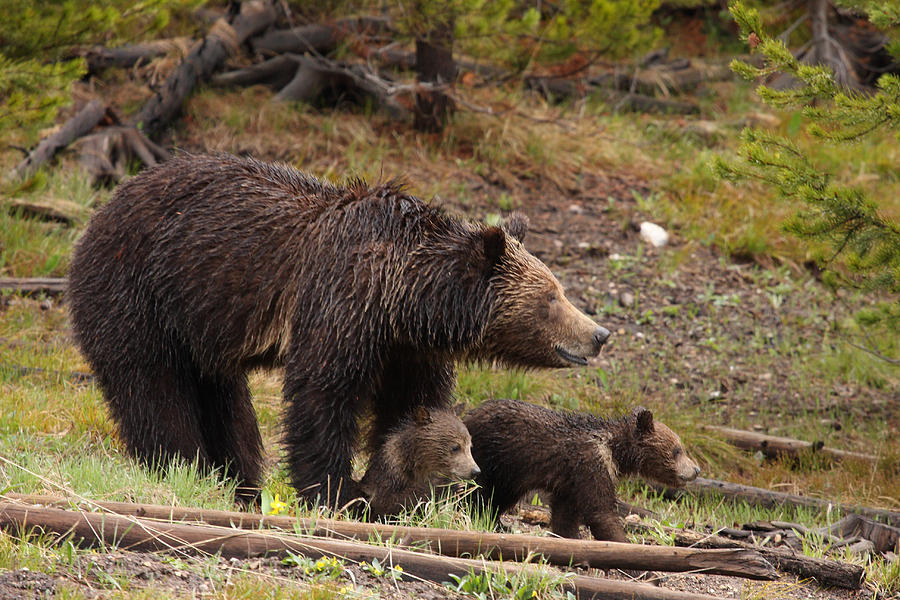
57 437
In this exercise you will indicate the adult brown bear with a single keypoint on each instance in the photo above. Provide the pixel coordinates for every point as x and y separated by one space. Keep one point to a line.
205 267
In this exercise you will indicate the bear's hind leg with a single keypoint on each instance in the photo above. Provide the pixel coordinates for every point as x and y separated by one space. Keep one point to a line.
154 402
564 517
231 432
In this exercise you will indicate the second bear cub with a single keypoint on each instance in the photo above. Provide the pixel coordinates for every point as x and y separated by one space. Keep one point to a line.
575 458
430 448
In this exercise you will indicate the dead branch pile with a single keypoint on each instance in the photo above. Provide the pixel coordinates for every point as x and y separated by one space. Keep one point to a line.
296 63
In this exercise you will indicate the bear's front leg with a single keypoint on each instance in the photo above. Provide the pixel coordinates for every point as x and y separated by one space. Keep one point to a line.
320 432
607 526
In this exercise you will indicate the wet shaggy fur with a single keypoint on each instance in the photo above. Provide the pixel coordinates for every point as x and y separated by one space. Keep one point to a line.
432 448
574 458
205 267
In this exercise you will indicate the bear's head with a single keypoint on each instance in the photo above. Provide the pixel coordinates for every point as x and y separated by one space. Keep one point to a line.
443 446
531 323
660 455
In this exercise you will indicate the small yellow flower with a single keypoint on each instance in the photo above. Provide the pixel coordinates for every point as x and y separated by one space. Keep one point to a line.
276 506
398 568
534 593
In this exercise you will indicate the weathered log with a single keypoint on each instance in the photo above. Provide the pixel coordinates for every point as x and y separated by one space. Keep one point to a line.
557 551
883 537
662 79
64 212
826 572
559 88
129 533
50 286
772 446
85 120
764 497
276 72
197 66
99 58
106 153
316 38
316 75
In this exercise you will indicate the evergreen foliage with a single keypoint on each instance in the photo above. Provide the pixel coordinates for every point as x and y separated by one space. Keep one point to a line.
36 68
843 216
516 34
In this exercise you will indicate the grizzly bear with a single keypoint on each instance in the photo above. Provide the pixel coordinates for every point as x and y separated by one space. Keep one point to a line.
575 458
205 267
430 449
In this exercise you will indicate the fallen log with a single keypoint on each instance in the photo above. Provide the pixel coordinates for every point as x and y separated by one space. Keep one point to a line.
50 286
314 76
60 211
773 446
764 497
85 120
276 72
557 88
557 551
141 535
316 38
826 572
884 538
662 79
100 58
107 153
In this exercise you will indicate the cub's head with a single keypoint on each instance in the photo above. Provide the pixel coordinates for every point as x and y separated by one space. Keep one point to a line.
532 323
443 446
660 454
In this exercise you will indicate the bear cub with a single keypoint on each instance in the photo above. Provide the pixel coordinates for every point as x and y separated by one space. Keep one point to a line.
575 458
430 448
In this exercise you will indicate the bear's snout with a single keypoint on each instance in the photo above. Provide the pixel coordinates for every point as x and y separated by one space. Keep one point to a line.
688 471
601 334
475 472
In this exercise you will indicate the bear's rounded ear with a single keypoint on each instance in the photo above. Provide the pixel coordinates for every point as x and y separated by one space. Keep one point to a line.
517 225
644 420
421 416
494 240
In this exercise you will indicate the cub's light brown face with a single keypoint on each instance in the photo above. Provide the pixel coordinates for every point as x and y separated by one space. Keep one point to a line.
664 458
445 446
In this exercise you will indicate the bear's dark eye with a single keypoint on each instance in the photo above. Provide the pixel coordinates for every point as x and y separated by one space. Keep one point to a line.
676 452
456 448
551 297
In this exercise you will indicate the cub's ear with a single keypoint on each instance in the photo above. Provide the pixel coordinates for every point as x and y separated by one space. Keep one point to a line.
516 224
644 420
422 416
494 240
459 408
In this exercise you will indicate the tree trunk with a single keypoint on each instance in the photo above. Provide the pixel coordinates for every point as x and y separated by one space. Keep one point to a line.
435 65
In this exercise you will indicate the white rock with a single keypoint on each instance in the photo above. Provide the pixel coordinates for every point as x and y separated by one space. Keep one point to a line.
654 234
